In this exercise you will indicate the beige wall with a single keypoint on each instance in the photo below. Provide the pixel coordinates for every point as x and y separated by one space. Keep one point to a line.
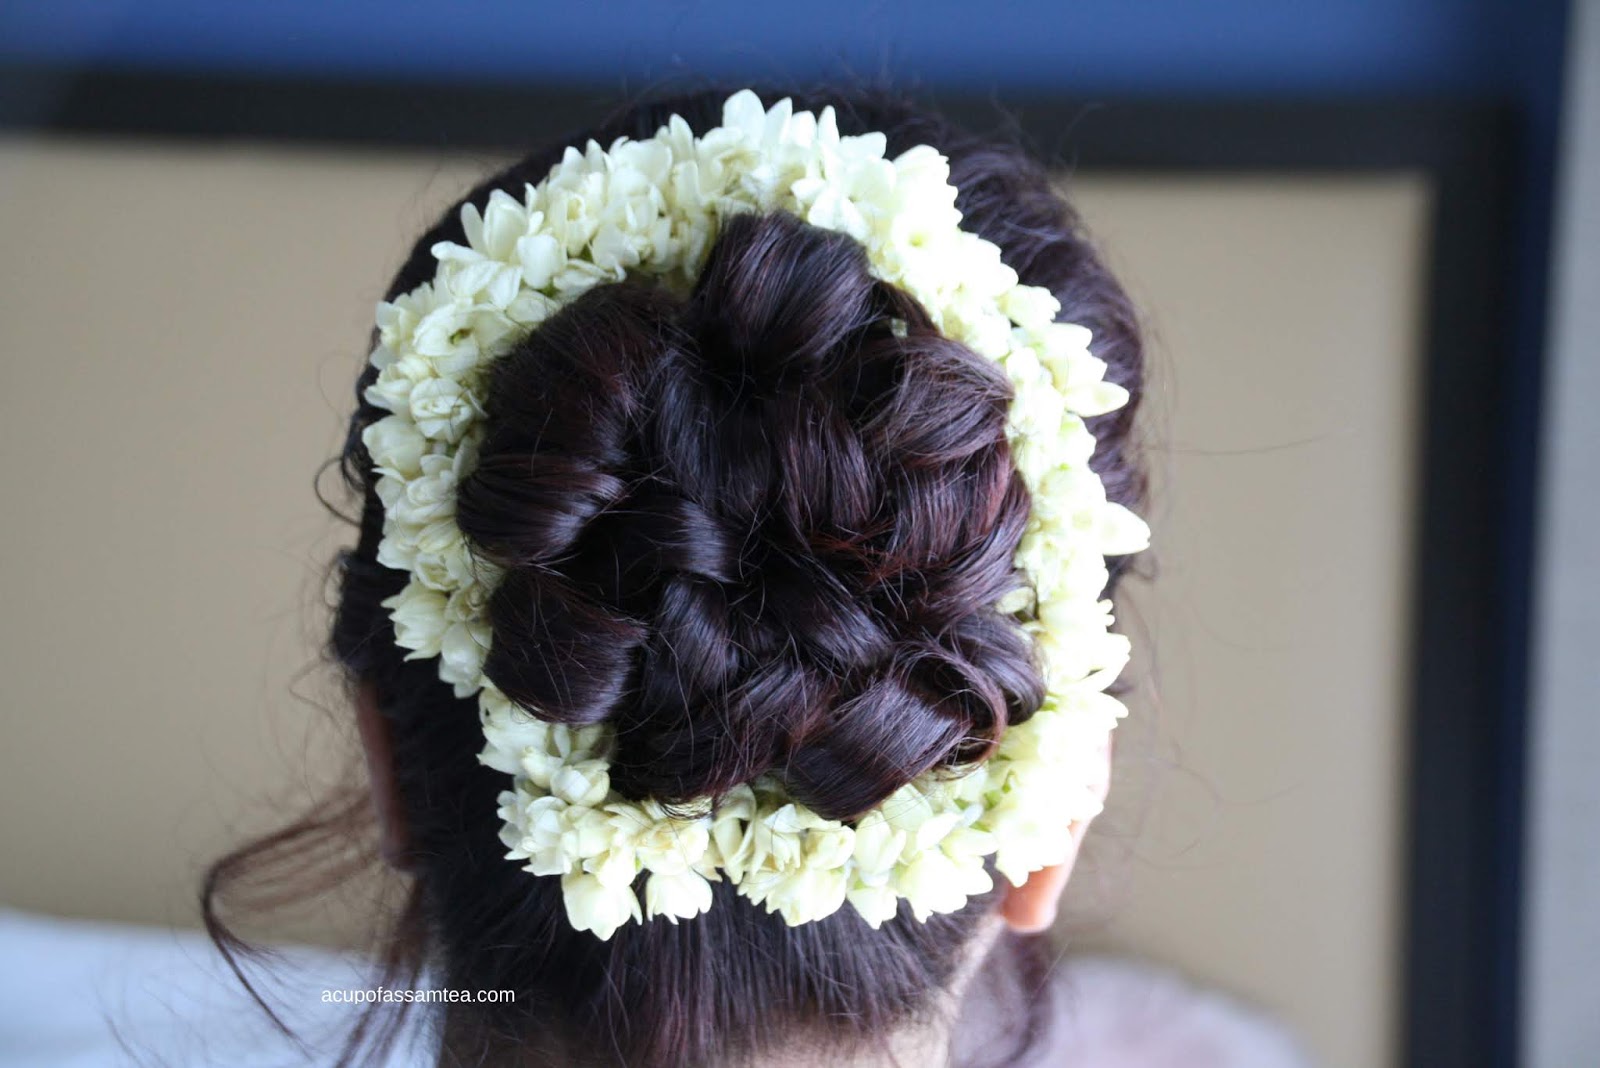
181 328
1253 836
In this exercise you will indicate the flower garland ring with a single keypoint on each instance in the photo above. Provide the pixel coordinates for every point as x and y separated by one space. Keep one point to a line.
654 207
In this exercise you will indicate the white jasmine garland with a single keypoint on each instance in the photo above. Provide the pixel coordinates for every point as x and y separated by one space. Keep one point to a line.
654 207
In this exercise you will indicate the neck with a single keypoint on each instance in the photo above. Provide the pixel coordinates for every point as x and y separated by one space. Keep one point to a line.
923 1043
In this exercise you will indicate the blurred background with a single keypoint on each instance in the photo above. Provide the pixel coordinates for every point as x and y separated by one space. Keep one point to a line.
1354 789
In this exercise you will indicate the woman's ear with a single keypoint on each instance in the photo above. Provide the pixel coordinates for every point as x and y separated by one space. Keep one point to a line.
379 751
1031 907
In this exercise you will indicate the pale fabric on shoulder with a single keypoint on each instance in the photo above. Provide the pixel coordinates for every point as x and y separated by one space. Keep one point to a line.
1106 1012
1113 1013
89 993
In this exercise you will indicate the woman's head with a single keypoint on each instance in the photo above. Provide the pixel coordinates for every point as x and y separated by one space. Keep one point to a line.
759 528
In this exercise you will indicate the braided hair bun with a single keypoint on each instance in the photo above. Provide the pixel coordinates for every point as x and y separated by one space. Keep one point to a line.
759 528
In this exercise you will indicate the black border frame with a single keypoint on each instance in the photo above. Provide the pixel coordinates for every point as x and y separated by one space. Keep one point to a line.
1464 838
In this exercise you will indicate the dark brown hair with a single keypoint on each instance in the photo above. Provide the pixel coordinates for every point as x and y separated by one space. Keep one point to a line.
756 528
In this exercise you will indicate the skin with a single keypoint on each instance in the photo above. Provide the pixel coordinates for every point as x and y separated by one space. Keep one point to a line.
1026 909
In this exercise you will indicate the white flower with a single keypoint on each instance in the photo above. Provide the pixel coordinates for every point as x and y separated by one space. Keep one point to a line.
469 596
676 895
593 905
779 838
732 834
877 846
938 882
418 615
396 380
436 554
664 843
1064 349
571 213
397 319
586 782
1119 532
429 496
876 903
1095 398
442 409
396 446
555 837
494 233
1030 307
462 648
829 847
445 339
806 894
541 256
654 207
472 279
1029 836
509 732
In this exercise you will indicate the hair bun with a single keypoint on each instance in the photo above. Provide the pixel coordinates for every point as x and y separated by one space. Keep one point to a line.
760 529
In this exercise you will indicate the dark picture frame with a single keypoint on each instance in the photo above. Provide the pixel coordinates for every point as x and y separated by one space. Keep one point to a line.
1471 549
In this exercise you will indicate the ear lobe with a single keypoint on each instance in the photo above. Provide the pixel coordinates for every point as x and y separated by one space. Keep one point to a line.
1031 907
393 841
